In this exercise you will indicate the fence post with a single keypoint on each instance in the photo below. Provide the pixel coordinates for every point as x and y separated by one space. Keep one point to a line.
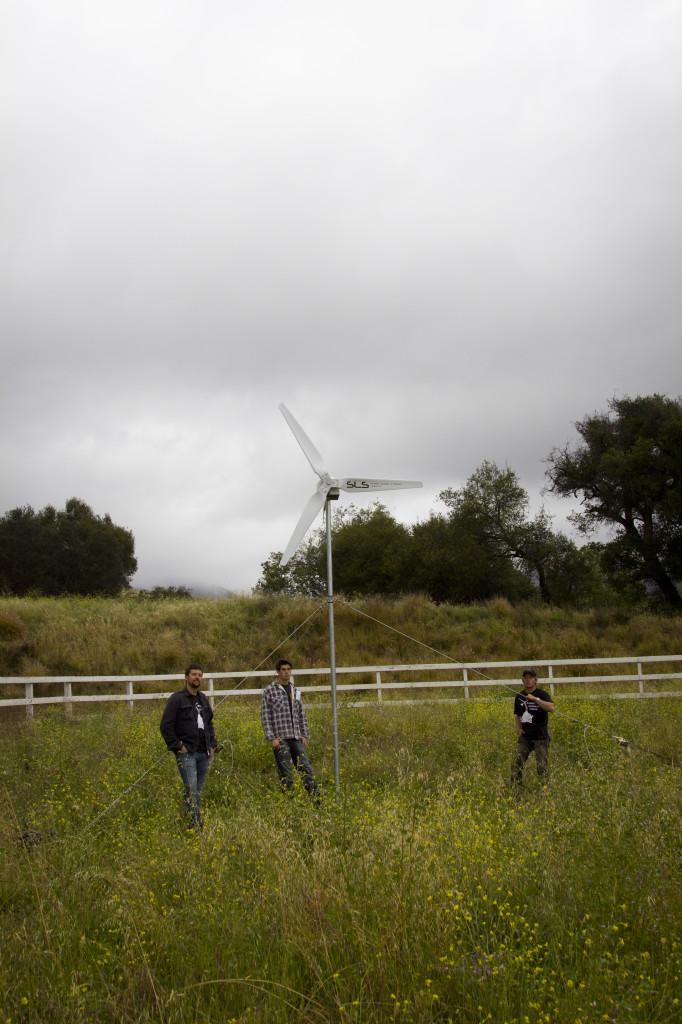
211 698
130 691
639 674
465 677
28 691
380 695
68 706
550 676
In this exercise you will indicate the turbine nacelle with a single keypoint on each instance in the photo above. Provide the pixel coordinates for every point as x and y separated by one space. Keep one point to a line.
356 483
328 485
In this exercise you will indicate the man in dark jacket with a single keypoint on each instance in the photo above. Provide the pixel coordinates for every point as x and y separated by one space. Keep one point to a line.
531 711
187 728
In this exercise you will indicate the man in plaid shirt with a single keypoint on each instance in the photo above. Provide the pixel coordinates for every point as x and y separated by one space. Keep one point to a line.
286 728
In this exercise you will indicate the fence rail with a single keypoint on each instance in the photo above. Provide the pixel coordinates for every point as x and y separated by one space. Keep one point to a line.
460 678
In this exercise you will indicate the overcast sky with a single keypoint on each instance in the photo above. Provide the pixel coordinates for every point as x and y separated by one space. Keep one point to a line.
441 232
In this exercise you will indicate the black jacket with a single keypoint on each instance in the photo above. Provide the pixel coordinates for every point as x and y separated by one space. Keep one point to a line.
179 722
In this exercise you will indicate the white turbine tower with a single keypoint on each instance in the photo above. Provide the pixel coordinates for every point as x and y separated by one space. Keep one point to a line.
327 491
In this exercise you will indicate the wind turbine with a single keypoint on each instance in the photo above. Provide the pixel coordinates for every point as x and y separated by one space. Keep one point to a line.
327 491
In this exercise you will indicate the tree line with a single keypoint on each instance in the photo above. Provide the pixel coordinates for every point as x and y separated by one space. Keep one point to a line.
626 472
68 551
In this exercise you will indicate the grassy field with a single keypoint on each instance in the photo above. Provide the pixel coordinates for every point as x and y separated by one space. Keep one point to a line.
100 636
426 893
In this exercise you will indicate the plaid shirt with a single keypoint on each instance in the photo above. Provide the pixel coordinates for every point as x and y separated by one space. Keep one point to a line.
280 718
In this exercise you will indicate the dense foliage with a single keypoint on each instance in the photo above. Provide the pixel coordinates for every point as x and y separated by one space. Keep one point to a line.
628 474
480 549
72 551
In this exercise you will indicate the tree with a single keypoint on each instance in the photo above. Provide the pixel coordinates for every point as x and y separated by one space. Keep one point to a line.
69 552
302 574
499 544
172 593
628 474
484 547
456 560
27 545
437 569
495 499
565 574
371 556
372 552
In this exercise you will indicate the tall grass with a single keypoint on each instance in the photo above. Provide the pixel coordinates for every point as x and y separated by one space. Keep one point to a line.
426 893
101 636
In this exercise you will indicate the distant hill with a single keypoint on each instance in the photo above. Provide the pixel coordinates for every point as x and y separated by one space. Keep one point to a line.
209 590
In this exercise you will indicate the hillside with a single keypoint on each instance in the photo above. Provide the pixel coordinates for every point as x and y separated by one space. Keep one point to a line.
136 635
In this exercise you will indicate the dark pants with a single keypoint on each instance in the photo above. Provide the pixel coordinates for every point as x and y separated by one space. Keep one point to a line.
524 746
292 752
193 770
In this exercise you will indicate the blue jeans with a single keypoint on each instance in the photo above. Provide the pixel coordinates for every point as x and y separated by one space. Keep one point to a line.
293 752
193 770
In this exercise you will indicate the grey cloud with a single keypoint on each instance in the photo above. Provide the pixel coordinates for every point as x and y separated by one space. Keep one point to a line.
439 236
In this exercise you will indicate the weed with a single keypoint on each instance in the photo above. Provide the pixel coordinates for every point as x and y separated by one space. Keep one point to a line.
426 893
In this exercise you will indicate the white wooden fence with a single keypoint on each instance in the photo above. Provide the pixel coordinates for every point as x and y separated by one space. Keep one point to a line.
461 677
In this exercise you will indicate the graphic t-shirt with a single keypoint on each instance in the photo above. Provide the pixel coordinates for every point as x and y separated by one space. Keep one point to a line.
533 718
200 724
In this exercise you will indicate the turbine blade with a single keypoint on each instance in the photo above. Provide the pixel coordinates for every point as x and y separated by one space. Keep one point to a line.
309 450
311 510
356 483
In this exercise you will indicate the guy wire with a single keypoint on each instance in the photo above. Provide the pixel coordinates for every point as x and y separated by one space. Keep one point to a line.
89 825
620 740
